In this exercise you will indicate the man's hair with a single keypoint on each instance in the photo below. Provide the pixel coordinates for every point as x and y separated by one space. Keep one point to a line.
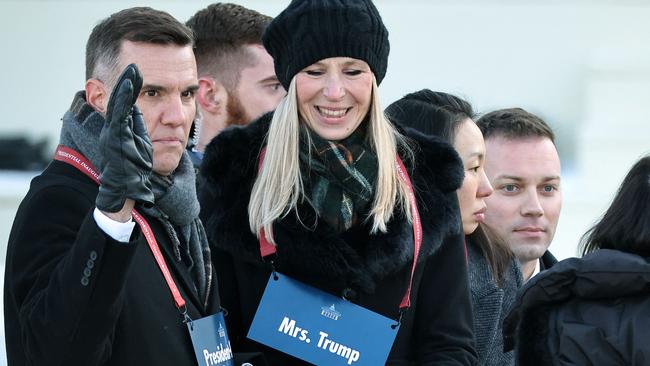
514 123
140 24
221 32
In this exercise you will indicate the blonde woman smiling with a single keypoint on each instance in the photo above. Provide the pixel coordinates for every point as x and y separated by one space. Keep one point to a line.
342 201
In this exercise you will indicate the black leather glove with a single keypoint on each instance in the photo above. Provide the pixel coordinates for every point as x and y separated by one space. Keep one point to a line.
127 155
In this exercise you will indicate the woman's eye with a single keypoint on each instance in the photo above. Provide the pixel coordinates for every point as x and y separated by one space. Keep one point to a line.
353 72
314 72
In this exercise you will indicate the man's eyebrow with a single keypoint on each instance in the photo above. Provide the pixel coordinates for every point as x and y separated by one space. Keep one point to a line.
269 79
551 177
520 179
153 87
509 177
192 88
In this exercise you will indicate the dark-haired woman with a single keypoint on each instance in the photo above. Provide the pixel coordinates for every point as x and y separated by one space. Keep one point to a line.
593 310
494 274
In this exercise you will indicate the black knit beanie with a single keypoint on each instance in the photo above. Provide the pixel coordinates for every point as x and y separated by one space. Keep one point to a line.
308 31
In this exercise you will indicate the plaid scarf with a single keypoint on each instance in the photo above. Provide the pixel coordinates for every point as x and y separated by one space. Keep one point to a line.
339 176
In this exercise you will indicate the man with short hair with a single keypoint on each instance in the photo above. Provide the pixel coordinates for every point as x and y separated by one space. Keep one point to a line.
523 166
85 285
237 81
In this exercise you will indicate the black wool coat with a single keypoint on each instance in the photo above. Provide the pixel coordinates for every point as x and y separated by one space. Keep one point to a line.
584 311
369 270
75 296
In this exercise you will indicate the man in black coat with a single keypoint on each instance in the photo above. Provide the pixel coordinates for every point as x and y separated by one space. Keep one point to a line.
84 285
523 166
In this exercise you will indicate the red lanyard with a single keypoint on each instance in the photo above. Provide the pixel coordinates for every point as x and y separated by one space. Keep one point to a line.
267 248
70 156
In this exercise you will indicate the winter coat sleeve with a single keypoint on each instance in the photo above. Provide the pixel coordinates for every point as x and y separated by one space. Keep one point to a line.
444 311
65 278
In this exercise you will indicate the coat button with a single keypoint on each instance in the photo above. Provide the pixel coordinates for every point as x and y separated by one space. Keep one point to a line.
87 272
93 255
84 281
90 263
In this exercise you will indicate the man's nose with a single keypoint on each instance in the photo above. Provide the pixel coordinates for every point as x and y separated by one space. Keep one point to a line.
175 112
532 205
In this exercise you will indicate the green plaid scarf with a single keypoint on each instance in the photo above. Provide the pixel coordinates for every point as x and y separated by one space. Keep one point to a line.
339 176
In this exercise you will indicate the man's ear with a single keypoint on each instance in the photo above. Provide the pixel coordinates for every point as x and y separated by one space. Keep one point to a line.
97 95
211 95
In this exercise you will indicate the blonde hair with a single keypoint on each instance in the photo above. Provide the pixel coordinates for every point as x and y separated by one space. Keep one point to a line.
279 186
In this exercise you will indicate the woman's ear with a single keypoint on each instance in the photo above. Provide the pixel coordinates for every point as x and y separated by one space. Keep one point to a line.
96 95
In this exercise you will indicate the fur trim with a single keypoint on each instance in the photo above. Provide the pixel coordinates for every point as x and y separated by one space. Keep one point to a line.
353 259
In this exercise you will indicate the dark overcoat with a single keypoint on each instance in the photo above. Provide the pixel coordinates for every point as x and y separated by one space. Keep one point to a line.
75 296
584 311
371 270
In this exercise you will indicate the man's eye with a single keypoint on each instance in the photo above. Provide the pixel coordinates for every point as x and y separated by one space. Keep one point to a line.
275 86
187 94
510 188
150 93
549 189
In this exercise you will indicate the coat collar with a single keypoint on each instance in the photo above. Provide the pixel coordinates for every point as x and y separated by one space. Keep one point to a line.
353 259
604 274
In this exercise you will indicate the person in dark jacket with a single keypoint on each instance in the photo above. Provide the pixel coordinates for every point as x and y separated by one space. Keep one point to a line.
82 285
593 310
494 273
319 180
523 167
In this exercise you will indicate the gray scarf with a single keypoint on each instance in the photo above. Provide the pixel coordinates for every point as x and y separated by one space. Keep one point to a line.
176 204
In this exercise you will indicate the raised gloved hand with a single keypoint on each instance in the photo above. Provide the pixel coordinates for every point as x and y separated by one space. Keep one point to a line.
127 155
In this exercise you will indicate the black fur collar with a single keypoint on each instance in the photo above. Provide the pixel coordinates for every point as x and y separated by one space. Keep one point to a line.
352 259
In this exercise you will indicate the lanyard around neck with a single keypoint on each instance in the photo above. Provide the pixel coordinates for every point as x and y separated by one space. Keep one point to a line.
72 157
267 248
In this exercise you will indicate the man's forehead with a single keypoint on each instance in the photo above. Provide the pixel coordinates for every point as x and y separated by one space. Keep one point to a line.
159 60
529 159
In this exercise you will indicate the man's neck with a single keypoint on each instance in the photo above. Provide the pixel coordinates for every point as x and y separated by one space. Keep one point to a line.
528 269
210 126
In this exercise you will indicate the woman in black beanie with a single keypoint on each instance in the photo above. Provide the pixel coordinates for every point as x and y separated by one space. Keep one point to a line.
325 190
494 274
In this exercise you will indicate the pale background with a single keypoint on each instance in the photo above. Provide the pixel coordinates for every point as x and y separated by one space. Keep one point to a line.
584 66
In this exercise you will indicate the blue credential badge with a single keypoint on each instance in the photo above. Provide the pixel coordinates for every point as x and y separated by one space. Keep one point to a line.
320 328
210 341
